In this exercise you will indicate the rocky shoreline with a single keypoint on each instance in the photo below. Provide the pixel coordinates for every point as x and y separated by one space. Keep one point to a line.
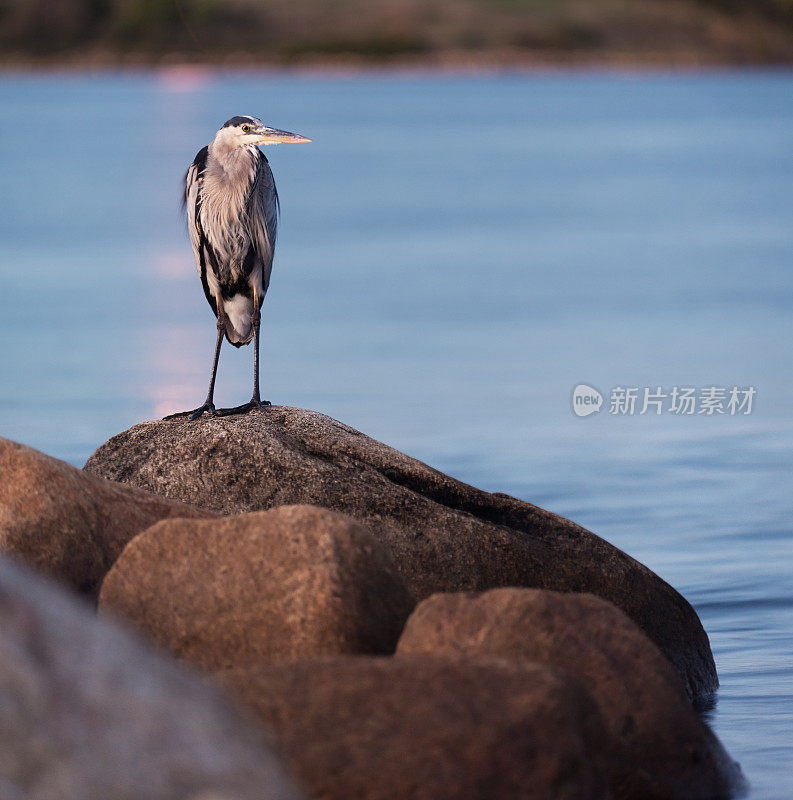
395 632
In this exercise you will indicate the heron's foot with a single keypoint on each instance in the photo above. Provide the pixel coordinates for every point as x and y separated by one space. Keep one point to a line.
254 402
195 413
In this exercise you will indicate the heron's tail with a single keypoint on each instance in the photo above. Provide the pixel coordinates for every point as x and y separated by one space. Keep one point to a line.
238 312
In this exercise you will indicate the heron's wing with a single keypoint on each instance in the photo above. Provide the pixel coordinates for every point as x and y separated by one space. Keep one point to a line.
192 198
263 216
193 181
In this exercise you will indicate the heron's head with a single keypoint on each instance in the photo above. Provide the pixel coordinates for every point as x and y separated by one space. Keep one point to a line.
242 131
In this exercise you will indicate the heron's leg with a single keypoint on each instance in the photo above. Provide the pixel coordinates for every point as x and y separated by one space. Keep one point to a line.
256 325
218 343
255 401
209 404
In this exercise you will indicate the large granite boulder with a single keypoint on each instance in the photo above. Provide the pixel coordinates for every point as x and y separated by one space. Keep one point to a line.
443 535
89 712
658 746
292 582
428 728
69 524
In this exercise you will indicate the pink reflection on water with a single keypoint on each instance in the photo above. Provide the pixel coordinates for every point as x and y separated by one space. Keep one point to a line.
178 399
184 78
175 372
174 264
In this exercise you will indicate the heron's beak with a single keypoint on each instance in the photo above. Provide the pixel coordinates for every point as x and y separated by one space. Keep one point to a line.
274 136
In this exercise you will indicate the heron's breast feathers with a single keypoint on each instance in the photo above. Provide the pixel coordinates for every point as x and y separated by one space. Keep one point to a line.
230 213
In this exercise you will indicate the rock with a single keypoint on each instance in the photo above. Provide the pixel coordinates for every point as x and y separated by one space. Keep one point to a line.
658 746
91 713
69 524
443 535
292 582
428 728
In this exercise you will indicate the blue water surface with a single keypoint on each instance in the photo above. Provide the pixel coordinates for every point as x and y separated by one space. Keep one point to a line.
456 254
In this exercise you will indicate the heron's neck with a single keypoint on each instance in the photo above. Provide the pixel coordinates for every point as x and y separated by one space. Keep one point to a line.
228 177
235 162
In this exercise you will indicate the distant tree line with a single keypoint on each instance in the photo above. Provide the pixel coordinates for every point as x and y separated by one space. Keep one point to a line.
289 30
60 25
780 11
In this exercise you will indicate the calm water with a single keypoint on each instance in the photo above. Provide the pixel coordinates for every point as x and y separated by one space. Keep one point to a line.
456 255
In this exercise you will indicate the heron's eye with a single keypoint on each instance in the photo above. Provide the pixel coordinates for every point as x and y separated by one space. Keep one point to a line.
246 128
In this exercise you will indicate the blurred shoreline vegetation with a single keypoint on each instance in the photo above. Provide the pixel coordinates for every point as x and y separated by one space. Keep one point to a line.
443 32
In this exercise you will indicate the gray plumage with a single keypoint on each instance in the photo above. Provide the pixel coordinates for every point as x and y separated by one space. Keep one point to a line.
232 217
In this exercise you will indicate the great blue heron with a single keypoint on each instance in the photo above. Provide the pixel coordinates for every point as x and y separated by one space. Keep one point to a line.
232 215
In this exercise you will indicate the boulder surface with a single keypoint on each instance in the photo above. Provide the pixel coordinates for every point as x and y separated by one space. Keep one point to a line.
91 713
658 746
69 524
292 582
443 535
429 729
